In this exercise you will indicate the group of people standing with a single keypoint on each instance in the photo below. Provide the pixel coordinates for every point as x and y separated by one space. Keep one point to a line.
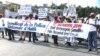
23 34
91 20
31 35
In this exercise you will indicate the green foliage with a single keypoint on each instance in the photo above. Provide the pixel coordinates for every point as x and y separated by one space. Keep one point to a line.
10 7
62 6
0 2
83 12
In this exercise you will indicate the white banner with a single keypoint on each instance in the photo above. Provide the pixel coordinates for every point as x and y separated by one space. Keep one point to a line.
27 25
61 29
68 30
65 12
42 12
25 9
71 11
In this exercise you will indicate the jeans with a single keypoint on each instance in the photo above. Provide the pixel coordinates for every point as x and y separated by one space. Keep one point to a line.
33 36
55 39
92 38
11 34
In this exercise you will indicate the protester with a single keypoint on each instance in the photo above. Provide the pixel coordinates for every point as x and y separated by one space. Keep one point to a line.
70 19
23 33
16 31
79 20
92 37
62 19
2 30
16 17
67 20
98 26
46 35
32 33
10 33
6 31
55 37
36 18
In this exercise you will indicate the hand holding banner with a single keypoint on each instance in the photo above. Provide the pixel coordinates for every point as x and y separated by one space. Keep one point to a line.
61 29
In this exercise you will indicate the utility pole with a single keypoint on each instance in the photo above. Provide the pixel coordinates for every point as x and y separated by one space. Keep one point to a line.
56 8
51 2
68 2
86 13
87 3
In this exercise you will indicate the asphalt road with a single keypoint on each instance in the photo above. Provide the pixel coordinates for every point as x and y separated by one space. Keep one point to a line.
25 48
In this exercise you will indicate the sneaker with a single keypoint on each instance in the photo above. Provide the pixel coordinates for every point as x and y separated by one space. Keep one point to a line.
29 41
36 39
44 41
47 41
56 44
23 39
89 50
68 44
20 39
9 39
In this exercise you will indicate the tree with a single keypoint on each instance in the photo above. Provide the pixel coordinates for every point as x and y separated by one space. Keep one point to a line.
45 5
83 12
35 8
62 6
80 11
10 7
0 2
53 6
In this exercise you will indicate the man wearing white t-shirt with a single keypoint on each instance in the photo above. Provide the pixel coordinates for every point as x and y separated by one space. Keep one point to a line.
92 38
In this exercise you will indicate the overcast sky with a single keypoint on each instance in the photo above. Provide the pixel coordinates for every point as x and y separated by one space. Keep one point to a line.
83 3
